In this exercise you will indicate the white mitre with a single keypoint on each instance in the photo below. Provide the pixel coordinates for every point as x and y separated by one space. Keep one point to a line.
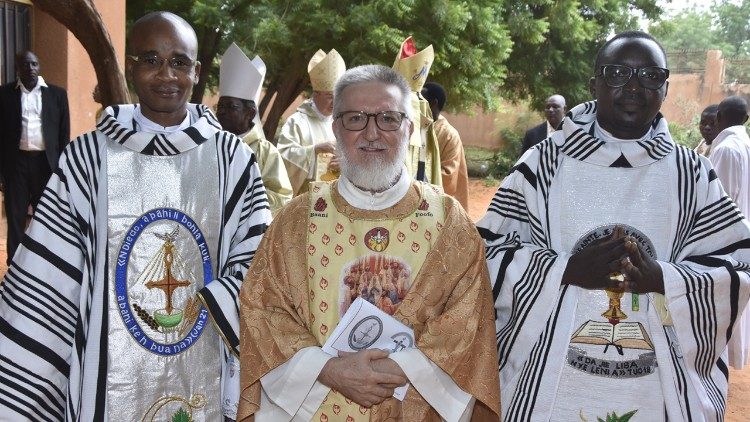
241 77
325 69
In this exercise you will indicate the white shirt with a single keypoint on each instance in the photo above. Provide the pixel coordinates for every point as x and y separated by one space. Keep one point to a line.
730 156
32 138
143 124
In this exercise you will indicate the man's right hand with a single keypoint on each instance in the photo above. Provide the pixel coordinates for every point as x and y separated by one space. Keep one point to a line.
325 147
591 267
352 375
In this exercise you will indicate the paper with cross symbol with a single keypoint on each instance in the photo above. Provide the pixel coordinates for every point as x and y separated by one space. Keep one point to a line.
364 326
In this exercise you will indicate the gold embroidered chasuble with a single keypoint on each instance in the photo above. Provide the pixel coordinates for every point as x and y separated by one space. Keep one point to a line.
448 301
423 143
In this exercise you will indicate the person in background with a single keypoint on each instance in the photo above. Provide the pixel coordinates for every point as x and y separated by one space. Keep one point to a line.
554 111
240 83
306 140
452 158
730 156
34 130
423 157
707 128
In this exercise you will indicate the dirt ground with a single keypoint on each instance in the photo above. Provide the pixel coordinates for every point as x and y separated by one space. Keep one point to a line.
738 408
480 194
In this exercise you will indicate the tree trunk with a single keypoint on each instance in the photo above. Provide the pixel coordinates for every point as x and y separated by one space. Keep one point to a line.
208 48
84 21
288 89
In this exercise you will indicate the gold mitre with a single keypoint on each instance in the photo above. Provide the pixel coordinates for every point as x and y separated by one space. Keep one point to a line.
413 65
239 76
325 70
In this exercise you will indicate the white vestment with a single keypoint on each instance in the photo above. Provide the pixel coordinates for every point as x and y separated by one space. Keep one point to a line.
568 187
55 299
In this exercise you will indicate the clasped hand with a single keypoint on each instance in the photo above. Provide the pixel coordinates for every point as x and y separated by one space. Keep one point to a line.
597 266
367 377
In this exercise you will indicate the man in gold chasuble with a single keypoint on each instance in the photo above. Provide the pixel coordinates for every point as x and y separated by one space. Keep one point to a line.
374 234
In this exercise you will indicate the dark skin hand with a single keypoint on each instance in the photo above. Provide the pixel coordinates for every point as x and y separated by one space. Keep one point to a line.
367 377
642 273
591 267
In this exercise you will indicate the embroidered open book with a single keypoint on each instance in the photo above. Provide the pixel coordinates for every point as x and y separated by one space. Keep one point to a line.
364 326
629 335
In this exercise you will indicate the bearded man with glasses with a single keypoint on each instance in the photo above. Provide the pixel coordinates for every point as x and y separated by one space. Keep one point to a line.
121 302
619 265
374 234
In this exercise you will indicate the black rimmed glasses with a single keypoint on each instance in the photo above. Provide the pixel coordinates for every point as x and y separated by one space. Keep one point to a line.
618 75
152 62
384 120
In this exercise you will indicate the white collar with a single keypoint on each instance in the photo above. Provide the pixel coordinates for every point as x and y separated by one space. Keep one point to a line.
144 124
605 136
365 200
40 83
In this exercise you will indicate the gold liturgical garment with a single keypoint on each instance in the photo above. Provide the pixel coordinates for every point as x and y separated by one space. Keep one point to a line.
320 252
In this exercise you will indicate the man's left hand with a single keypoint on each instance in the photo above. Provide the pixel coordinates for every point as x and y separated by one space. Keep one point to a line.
642 273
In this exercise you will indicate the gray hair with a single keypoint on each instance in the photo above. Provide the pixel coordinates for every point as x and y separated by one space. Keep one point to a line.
372 73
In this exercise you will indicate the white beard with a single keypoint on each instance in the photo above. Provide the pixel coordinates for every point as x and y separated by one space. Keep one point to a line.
376 175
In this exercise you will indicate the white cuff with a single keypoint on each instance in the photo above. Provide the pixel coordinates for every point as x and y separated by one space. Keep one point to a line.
437 387
291 391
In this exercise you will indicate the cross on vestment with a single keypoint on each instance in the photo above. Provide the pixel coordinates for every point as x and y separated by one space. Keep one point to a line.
168 284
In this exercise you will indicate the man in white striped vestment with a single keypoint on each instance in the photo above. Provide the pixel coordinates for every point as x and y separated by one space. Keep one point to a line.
618 263
121 303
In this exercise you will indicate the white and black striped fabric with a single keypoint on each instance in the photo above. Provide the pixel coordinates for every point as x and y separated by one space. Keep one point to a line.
705 272
54 298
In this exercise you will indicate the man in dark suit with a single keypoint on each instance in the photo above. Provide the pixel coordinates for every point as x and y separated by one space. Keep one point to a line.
34 129
554 111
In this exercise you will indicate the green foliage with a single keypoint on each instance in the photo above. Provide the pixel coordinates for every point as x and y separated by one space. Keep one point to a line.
612 417
485 49
181 416
555 42
724 26
687 136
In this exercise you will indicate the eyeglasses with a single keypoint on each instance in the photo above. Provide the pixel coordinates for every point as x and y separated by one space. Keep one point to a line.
618 75
153 62
384 120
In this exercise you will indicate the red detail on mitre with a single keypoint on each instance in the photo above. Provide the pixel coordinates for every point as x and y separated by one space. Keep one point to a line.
408 48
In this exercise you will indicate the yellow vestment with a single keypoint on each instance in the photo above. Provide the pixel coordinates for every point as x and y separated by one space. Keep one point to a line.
272 170
452 161
448 303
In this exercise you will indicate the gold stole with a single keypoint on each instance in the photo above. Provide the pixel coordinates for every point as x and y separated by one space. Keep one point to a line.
423 145
376 259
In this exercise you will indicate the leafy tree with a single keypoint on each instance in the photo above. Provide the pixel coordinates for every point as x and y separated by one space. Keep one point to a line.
688 30
484 49
82 19
555 43
734 25
724 26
